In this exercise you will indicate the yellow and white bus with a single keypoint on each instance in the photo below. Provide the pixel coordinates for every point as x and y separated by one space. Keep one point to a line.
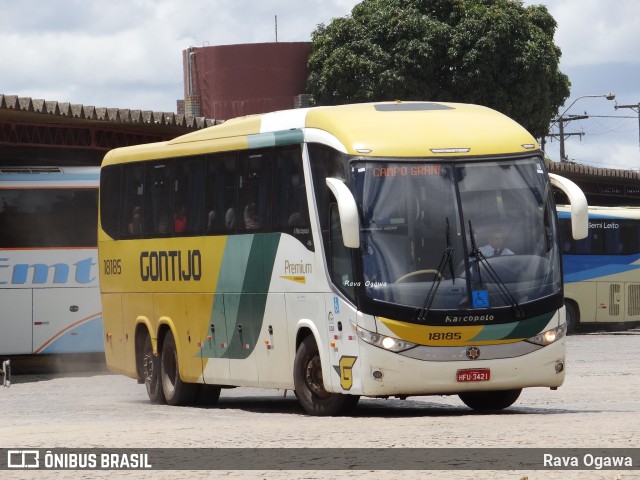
601 271
337 251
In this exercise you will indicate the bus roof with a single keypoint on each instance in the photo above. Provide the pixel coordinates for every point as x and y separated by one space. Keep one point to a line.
603 212
396 129
44 177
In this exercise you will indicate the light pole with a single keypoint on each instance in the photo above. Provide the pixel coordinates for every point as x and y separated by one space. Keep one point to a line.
562 119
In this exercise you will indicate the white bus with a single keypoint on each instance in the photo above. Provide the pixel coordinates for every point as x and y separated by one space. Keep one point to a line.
337 251
48 261
602 271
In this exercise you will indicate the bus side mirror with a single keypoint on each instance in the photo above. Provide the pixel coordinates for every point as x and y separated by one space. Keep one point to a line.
348 210
579 207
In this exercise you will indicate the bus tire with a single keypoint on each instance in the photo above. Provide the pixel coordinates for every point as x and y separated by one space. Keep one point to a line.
572 317
151 373
309 386
208 394
491 400
176 392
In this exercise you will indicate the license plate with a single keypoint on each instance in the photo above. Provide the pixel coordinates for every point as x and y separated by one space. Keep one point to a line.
474 375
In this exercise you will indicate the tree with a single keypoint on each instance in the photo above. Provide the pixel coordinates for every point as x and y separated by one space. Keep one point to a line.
496 53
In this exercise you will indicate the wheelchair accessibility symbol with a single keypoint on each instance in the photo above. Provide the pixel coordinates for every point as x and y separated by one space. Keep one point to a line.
480 299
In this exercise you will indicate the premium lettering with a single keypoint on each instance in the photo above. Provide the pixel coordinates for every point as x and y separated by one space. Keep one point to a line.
297 268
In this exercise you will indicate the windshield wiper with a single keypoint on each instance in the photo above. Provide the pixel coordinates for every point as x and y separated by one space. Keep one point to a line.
447 258
503 289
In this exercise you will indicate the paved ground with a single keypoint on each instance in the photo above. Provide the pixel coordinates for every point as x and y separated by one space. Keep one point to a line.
598 407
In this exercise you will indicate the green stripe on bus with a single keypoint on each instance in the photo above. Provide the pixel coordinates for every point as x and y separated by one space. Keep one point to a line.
532 326
521 329
271 139
241 297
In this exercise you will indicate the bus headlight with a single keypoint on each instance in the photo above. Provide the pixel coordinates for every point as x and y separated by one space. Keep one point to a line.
382 341
549 336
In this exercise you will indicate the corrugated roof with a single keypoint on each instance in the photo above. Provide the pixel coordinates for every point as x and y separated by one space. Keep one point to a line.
114 115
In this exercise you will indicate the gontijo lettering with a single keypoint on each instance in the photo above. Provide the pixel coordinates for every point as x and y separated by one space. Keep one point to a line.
170 266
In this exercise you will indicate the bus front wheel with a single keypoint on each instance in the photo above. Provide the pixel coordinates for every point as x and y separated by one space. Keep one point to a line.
492 400
207 394
572 317
309 384
175 390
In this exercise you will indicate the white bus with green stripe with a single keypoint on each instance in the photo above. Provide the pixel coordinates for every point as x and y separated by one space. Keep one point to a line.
336 251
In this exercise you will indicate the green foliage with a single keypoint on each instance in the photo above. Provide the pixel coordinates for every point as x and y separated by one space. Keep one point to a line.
496 53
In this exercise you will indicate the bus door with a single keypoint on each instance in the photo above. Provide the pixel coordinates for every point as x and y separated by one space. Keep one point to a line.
257 335
16 323
272 349
235 333
242 332
216 362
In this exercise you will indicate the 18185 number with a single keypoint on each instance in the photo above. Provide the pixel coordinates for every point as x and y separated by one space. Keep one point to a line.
112 266
445 336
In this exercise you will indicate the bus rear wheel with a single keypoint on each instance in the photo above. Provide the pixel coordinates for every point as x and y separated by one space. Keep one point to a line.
491 400
151 373
309 384
175 390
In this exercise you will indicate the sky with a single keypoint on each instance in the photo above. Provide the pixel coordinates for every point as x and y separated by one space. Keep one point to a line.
128 54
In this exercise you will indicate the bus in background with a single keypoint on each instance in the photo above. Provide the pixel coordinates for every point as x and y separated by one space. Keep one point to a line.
602 271
48 261
339 252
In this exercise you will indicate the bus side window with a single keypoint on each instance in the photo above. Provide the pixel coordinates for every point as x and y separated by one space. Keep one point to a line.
110 210
254 191
629 237
221 193
290 209
188 201
158 200
132 201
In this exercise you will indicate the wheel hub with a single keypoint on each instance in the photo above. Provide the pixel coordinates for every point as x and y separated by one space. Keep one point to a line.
313 378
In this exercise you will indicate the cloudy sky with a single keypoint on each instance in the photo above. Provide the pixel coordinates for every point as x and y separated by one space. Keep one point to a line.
128 54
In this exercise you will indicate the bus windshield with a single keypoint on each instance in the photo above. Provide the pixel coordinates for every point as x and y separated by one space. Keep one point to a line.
456 235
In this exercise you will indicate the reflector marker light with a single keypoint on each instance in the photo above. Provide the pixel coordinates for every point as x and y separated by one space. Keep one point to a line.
450 150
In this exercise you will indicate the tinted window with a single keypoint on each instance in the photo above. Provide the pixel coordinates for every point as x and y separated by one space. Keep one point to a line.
290 209
260 190
188 197
45 218
254 191
606 237
221 193
110 180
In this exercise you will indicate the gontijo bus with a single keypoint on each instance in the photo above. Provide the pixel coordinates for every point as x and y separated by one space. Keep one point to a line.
336 251
48 261
601 270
